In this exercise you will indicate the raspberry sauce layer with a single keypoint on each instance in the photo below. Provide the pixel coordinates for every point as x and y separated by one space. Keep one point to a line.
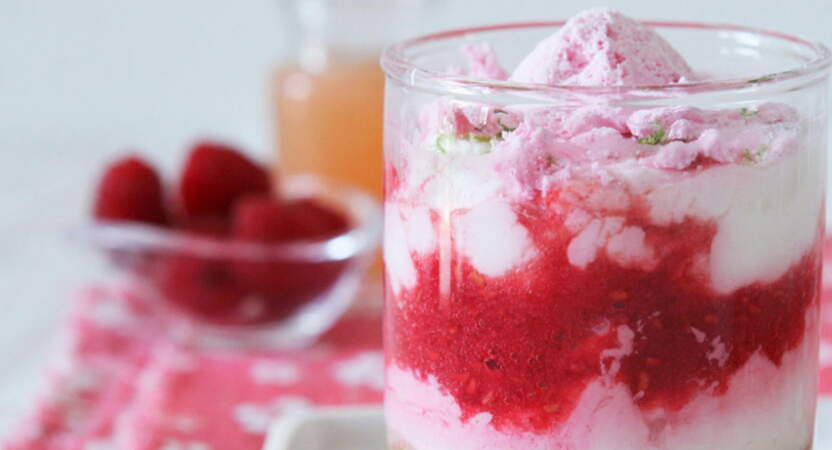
524 346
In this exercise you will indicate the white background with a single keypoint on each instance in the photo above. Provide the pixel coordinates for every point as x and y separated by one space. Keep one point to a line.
82 81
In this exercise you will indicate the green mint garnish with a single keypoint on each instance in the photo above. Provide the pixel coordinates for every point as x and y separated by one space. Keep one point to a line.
443 143
500 113
762 79
479 137
506 128
656 138
762 151
754 157
747 112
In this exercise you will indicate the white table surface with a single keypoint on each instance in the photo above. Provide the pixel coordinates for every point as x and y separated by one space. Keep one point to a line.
82 81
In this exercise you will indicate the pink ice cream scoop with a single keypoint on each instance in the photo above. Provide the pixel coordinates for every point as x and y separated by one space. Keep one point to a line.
482 62
602 47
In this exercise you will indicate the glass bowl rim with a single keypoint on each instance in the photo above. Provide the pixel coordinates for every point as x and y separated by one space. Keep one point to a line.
397 65
364 235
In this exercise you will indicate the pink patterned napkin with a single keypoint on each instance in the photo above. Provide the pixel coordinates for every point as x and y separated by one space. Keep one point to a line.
119 388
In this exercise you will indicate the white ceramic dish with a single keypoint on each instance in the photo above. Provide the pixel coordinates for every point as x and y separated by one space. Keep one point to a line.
353 428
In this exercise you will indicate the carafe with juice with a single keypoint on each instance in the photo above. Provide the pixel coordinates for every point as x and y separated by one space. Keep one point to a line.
328 95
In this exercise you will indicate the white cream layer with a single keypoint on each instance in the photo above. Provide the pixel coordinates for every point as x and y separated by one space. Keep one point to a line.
766 216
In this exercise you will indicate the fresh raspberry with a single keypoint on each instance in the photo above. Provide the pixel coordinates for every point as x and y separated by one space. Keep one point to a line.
259 218
215 175
264 219
130 190
203 287
285 283
206 226
308 219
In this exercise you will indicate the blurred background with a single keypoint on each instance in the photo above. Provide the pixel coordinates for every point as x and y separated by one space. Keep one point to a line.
84 81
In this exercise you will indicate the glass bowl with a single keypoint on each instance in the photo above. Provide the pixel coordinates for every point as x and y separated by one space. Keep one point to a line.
217 292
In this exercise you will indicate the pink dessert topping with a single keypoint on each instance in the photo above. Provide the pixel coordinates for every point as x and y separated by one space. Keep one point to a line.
602 47
482 62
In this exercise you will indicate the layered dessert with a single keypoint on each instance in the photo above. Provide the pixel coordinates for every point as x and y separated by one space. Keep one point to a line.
601 275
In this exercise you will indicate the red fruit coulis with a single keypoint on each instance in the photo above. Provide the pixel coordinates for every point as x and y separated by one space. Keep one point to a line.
523 346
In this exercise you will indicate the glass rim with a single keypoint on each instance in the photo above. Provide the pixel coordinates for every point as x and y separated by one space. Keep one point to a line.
397 65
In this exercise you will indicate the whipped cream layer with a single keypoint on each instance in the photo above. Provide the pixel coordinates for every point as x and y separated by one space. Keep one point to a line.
742 170
766 407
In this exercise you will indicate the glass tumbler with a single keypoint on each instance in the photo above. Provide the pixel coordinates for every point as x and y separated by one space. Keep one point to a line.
604 267
328 94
